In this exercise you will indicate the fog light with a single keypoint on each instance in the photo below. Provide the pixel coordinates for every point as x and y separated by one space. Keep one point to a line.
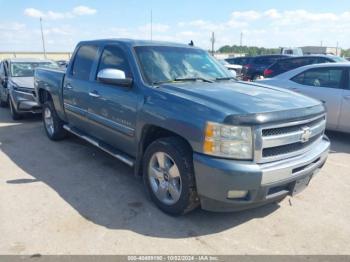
237 194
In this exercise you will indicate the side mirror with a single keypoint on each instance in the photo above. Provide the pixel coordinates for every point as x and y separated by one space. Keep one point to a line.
114 77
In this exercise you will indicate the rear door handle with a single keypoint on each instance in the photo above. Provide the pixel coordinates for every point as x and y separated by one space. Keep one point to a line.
68 86
94 94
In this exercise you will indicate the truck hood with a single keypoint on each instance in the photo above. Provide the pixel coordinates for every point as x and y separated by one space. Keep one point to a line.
240 97
26 82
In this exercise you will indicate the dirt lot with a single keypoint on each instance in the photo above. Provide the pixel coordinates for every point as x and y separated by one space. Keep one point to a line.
71 198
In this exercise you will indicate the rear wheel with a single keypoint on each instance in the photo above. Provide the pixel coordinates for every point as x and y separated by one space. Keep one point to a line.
52 123
14 113
169 175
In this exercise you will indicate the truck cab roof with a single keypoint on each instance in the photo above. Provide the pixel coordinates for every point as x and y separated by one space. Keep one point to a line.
134 42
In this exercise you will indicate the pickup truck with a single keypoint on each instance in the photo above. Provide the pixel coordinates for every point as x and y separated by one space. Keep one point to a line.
197 136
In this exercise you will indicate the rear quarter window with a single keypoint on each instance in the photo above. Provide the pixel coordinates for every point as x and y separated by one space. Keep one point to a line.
83 62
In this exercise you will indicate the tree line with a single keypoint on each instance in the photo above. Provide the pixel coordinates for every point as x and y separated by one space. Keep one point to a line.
249 50
254 50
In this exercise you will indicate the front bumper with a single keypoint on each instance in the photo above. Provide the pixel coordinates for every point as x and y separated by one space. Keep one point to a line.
265 183
24 102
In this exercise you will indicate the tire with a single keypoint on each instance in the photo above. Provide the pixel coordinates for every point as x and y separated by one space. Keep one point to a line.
52 123
14 113
3 103
172 186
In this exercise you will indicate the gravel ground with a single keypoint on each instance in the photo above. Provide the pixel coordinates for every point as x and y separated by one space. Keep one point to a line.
71 198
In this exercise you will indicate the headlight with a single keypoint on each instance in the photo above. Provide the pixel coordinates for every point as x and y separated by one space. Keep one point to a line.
228 141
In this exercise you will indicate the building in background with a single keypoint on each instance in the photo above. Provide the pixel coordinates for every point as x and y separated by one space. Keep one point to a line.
227 55
49 55
310 50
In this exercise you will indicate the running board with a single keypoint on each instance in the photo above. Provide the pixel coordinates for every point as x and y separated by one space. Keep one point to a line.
108 149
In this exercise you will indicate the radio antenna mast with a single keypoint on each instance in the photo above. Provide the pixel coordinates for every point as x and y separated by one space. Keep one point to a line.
151 24
42 36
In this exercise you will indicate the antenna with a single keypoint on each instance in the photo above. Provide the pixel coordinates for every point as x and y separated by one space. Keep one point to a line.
212 40
151 24
42 37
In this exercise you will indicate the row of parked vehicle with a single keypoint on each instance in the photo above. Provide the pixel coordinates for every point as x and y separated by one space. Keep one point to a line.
272 65
196 135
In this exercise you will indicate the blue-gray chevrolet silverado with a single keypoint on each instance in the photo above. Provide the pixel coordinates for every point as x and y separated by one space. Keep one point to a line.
196 135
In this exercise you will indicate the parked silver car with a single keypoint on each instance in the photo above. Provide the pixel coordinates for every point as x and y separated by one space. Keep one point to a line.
329 83
17 84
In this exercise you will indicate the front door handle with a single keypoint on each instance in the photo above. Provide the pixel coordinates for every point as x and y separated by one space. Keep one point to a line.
94 94
68 86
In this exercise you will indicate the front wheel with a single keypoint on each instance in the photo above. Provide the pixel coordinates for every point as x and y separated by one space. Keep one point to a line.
14 113
3 103
52 123
169 175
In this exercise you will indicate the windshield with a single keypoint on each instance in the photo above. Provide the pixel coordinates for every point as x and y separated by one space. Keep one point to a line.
339 59
26 69
161 64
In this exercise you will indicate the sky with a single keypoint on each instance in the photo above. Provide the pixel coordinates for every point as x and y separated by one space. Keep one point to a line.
264 23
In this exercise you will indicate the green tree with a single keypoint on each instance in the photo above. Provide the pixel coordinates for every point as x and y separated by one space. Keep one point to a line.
248 50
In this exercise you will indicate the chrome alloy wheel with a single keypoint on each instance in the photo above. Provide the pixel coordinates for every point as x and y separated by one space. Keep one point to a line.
164 177
48 121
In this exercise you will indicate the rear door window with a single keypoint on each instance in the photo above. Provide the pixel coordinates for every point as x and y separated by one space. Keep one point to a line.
83 62
320 77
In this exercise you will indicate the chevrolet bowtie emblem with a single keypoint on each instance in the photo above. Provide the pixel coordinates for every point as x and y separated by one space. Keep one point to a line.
306 134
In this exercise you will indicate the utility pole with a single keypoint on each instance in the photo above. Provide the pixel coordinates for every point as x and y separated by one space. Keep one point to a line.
42 37
337 49
241 39
212 40
321 43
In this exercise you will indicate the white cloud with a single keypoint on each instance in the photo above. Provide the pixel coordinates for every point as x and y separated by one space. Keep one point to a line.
15 26
246 15
269 28
32 12
83 10
52 15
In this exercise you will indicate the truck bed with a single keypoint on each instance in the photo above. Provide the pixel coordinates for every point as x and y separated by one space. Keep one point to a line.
51 80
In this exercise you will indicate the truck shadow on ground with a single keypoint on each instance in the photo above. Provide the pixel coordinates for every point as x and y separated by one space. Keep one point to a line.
340 142
101 189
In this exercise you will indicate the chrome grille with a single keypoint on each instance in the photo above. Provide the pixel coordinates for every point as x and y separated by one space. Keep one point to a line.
290 139
288 129
286 149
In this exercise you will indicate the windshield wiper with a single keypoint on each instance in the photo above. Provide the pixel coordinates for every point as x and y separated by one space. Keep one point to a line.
162 82
194 79
182 80
225 78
